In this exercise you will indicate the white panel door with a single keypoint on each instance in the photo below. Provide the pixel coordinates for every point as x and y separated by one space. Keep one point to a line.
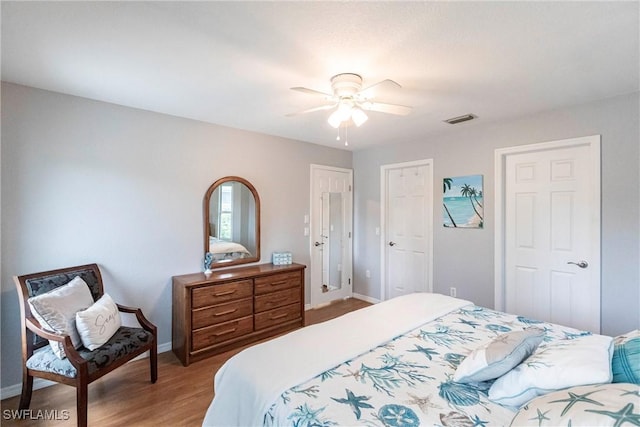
331 238
408 206
551 266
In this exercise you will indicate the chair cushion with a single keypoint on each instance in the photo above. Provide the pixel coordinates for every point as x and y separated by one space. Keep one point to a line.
98 323
42 284
56 311
124 342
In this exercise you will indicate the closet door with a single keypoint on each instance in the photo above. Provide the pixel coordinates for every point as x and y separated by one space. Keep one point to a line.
407 206
551 226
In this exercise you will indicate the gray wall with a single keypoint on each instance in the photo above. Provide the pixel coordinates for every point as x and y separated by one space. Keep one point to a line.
464 258
85 181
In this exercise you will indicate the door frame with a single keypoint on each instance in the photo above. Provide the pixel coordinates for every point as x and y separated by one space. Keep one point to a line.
313 222
384 170
593 142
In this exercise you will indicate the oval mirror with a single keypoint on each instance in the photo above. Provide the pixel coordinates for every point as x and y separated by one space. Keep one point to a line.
231 223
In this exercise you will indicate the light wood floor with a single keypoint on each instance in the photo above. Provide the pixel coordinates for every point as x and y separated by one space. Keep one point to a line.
125 397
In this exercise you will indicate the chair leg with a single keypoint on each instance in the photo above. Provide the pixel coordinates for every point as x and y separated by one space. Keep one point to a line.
81 404
27 389
153 362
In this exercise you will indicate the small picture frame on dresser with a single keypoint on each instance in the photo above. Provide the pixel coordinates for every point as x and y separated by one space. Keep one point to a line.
281 258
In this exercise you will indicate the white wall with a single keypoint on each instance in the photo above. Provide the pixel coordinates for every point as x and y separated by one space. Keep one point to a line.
464 258
86 181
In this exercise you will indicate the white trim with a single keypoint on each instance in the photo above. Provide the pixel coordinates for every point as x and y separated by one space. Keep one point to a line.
330 168
16 389
384 169
162 348
593 142
366 298
38 383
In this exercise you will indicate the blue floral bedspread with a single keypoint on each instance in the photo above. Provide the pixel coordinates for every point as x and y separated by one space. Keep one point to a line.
408 381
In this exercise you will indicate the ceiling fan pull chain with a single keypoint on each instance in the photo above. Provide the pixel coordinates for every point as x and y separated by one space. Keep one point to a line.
346 135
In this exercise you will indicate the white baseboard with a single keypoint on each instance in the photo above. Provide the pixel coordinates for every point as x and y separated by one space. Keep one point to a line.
38 383
366 298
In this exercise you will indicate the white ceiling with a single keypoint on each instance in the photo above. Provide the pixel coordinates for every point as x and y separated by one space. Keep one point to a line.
232 63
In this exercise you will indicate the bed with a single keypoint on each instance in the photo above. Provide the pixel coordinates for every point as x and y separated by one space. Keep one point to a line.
222 249
417 360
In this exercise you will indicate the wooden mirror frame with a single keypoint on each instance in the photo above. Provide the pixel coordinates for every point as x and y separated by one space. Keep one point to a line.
207 231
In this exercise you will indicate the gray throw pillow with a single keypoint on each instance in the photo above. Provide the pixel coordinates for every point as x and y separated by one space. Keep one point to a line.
499 356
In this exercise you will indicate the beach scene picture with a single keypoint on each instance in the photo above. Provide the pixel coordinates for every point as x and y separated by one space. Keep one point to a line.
462 202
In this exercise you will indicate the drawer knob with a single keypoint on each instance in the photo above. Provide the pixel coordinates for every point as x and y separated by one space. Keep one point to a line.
228 331
221 294
279 316
281 282
225 312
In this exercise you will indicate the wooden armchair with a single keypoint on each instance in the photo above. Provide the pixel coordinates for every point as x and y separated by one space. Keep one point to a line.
81 366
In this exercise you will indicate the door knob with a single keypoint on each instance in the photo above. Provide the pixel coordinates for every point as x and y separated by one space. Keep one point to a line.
392 243
581 264
318 244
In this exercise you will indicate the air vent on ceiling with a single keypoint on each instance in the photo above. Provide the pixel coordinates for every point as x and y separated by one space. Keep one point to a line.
460 119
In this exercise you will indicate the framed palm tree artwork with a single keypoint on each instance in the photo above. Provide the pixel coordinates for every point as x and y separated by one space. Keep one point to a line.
462 202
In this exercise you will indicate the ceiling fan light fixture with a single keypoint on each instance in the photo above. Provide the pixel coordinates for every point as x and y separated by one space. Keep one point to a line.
349 102
344 110
342 114
334 120
358 116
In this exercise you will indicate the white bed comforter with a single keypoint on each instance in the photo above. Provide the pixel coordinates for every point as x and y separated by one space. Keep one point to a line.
218 246
248 383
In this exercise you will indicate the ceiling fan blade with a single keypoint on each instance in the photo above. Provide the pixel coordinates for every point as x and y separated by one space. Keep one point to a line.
311 110
400 110
368 92
312 92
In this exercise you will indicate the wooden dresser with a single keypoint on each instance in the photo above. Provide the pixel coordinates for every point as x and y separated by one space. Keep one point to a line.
234 307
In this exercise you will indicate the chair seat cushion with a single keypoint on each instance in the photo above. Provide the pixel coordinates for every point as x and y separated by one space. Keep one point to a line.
123 343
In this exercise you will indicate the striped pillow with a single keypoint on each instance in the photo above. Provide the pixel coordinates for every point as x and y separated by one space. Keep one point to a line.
625 363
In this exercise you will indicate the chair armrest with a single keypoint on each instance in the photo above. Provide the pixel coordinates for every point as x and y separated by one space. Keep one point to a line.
72 354
34 326
144 322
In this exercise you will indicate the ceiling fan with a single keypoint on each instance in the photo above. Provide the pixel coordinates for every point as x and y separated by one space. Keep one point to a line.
350 101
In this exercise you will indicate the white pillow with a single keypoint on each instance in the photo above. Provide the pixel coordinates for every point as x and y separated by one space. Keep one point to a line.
499 356
557 365
97 324
56 311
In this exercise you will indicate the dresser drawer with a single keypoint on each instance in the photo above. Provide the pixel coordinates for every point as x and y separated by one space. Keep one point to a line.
274 317
211 335
277 282
220 313
216 294
277 299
